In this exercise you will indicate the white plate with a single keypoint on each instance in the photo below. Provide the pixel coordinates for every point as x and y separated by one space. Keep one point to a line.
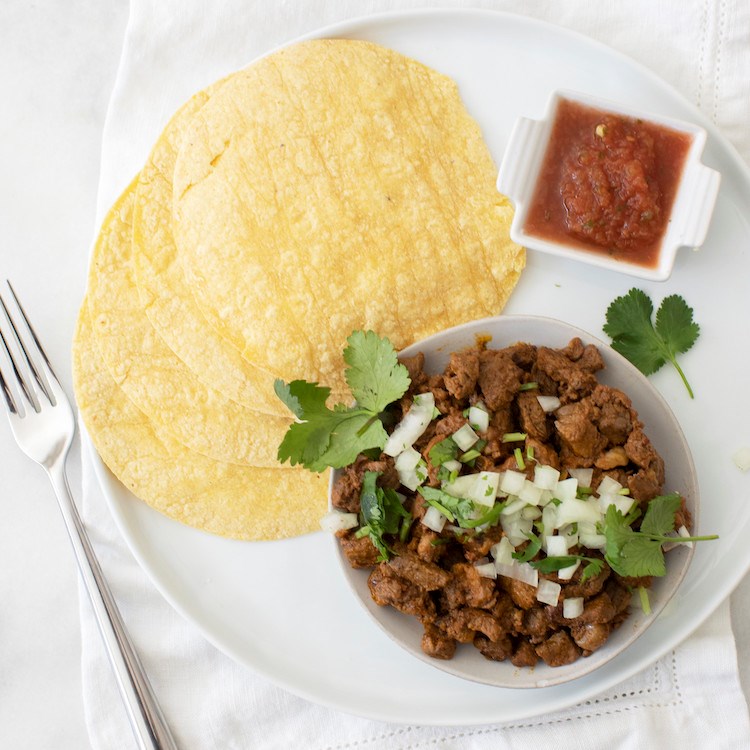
326 648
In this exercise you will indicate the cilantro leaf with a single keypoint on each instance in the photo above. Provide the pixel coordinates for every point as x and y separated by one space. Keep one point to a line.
322 437
375 376
633 334
659 517
445 450
552 564
531 549
455 509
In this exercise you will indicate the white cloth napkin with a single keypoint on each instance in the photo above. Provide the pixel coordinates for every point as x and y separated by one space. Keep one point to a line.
690 698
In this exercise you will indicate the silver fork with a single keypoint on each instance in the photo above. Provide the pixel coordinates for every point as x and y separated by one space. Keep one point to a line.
43 424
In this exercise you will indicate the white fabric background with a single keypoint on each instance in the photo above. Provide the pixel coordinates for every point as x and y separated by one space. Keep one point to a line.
691 697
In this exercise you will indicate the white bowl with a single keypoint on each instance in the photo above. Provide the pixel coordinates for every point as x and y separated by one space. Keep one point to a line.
691 211
663 430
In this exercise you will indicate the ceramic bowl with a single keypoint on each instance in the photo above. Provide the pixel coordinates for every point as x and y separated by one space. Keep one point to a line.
667 437
690 214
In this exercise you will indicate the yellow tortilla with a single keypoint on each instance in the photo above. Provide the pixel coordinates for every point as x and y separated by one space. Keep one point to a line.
152 376
167 300
241 502
337 185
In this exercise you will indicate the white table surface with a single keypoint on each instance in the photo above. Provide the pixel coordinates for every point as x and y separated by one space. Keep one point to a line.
58 60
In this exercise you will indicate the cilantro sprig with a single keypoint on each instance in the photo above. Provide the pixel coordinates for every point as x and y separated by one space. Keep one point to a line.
646 345
639 553
323 437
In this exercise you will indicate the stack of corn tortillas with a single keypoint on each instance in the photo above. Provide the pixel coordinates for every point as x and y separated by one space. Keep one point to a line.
332 186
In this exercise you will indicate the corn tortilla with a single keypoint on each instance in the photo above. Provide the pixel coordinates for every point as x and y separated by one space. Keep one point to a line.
166 298
241 502
337 185
152 376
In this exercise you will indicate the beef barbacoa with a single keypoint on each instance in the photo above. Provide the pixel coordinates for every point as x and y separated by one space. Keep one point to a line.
441 577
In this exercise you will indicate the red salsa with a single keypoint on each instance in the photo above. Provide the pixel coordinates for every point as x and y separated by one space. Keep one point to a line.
608 182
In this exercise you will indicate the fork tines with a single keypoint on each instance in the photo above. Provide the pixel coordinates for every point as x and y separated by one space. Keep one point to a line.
25 370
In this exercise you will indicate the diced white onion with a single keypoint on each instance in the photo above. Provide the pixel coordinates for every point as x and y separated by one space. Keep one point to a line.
623 503
530 493
516 528
512 482
573 607
565 574
605 500
556 546
415 477
412 426
741 458
682 531
531 512
464 437
548 403
516 506
480 488
574 511
545 477
407 460
519 572
548 592
608 486
567 489
453 465
502 552
549 517
487 570
593 541
335 520
479 419
584 476
434 519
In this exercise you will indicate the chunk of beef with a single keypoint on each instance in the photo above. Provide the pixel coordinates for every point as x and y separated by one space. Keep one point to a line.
423 543
462 373
577 431
591 636
683 517
498 650
616 417
645 485
477 546
426 575
612 458
572 381
415 367
536 624
532 417
360 553
388 588
544 453
499 378
465 587
618 595
597 610
524 655
590 359
436 644
590 587
522 594
558 650
463 624
523 354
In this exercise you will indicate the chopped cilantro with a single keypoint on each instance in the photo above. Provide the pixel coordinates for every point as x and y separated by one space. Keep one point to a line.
381 513
445 450
325 437
647 346
593 567
531 549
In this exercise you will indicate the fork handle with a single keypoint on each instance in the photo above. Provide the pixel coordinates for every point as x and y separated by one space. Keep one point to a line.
150 728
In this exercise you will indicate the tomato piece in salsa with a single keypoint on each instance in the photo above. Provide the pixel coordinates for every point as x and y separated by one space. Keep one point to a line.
607 181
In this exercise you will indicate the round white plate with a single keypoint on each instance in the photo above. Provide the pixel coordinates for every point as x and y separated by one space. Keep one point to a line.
283 608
